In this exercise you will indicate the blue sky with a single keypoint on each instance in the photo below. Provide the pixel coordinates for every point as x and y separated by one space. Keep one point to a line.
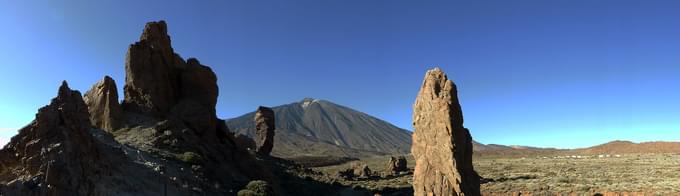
539 73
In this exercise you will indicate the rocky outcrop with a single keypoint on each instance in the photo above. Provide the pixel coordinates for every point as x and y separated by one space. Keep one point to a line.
158 82
396 165
102 104
169 108
55 154
442 147
151 82
264 129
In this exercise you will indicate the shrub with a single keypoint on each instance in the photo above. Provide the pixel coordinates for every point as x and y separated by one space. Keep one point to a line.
257 188
190 157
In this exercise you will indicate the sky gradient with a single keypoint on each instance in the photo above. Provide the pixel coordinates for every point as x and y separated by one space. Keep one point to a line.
538 73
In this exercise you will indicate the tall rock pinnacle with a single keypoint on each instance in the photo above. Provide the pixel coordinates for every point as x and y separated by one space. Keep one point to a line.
160 83
151 84
442 147
264 129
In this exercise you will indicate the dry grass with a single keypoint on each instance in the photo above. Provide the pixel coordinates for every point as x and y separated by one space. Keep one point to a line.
653 174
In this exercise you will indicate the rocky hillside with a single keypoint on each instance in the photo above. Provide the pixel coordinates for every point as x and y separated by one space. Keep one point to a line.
163 139
315 127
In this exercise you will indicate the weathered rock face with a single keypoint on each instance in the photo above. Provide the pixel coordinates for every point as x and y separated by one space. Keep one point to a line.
102 103
56 150
396 165
169 107
151 84
442 147
264 129
160 83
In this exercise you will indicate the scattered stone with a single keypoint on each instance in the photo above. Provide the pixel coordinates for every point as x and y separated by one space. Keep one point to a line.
264 129
442 147
356 170
102 103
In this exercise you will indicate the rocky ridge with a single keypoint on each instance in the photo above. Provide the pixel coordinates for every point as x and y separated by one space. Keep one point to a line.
165 138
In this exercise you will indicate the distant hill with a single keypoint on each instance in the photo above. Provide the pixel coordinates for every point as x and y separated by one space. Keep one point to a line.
613 147
623 147
314 127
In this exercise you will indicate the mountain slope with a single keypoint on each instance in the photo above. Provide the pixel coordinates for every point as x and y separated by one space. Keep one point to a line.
315 127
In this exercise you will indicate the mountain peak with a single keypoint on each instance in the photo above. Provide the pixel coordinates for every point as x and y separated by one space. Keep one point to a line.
327 129
308 101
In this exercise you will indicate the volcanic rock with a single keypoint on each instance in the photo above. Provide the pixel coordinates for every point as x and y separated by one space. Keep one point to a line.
264 128
56 151
243 141
442 147
169 108
102 103
158 82
151 82
396 165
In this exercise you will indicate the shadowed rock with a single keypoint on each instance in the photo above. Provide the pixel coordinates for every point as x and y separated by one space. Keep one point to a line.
151 83
442 147
102 103
56 150
158 82
264 129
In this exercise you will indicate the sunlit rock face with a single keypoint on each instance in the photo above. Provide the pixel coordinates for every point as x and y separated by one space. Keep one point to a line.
102 103
442 147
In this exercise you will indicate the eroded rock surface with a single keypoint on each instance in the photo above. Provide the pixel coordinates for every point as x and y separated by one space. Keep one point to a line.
396 165
102 103
264 129
56 150
442 147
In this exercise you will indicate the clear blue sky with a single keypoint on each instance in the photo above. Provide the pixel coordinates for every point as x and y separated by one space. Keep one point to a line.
539 73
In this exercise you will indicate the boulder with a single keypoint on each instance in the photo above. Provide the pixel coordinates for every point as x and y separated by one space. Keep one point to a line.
396 165
264 129
102 104
442 147
356 170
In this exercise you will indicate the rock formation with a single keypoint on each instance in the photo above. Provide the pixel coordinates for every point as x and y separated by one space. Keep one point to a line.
158 82
170 108
264 129
102 103
442 147
396 165
56 150
356 170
